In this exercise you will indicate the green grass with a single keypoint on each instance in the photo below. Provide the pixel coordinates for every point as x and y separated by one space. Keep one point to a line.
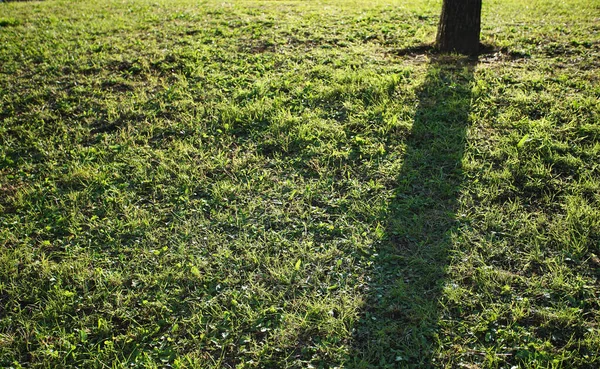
279 184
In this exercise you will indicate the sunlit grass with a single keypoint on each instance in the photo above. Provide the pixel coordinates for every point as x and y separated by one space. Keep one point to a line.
279 184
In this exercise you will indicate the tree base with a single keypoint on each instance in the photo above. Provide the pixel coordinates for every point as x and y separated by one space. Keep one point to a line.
459 27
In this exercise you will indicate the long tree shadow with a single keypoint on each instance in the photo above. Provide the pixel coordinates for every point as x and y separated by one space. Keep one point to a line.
402 309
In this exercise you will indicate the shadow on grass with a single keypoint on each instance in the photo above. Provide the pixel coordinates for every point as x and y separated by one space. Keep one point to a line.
402 309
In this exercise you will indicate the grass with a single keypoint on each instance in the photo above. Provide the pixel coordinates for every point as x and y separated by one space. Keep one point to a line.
280 184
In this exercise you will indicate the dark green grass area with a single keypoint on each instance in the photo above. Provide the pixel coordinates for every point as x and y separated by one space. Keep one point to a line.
280 184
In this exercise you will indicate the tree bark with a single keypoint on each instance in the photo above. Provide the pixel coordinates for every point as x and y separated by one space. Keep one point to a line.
459 27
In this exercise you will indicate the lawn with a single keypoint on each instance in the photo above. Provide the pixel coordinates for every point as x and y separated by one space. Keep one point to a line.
298 184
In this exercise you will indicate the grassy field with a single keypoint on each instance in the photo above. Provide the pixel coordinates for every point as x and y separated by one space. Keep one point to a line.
298 184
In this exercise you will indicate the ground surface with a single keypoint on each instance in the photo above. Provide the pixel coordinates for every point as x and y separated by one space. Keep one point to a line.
279 184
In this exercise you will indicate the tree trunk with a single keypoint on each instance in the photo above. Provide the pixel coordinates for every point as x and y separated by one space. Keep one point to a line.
459 27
